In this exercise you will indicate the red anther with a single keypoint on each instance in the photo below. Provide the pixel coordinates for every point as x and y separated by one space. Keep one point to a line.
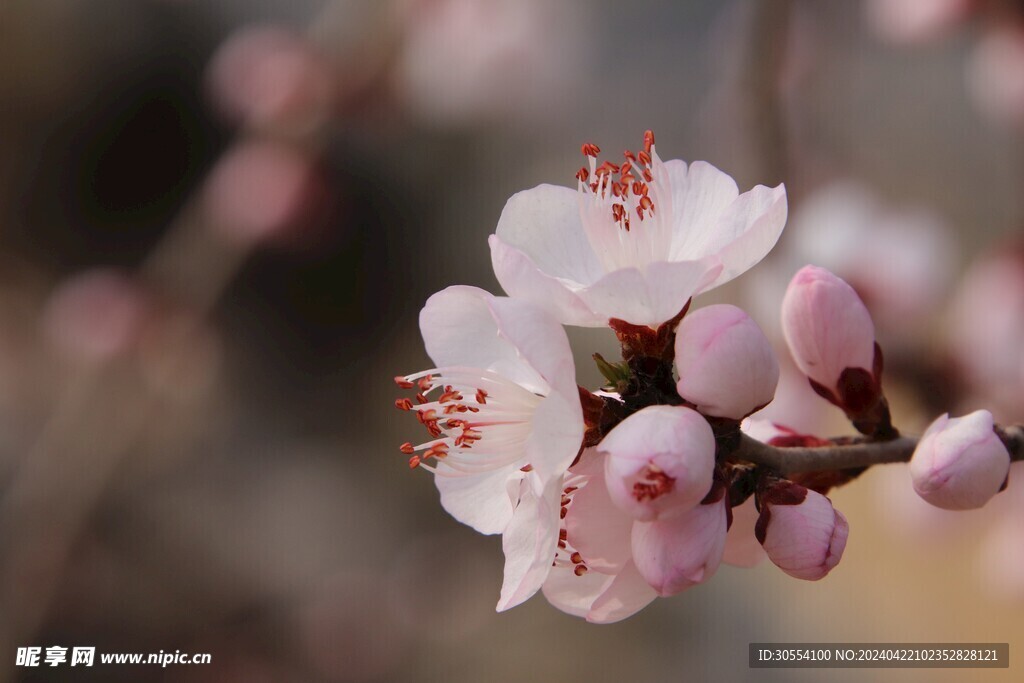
618 210
609 167
648 140
433 429
625 224
576 558
616 190
425 383
645 158
404 383
403 404
449 395
626 179
566 501
414 462
593 187
526 468
589 149
654 485
582 175
569 489
472 409
425 416
647 203
563 534
436 451
481 396
562 513
455 423
580 570
648 176
561 544
407 448
421 399
629 155
625 169
640 211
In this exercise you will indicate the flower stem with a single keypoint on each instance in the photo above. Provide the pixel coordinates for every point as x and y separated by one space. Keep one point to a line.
842 456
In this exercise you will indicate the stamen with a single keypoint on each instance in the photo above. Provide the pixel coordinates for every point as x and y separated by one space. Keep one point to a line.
589 149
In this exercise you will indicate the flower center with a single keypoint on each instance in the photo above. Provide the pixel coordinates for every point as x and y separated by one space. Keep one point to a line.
615 199
652 484
479 421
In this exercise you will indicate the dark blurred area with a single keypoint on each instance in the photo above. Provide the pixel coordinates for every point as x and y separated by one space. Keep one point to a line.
218 223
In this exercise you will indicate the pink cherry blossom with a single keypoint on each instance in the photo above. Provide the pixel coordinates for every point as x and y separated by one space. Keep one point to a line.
504 417
800 531
960 463
726 365
660 461
635 241
986 324
681 550
911 21
995 74
594 575
827 327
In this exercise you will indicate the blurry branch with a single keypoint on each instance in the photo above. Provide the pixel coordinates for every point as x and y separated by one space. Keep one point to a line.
797 460
761 75
102 414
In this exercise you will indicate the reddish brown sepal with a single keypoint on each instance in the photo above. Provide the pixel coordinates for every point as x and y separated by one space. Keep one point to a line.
641 340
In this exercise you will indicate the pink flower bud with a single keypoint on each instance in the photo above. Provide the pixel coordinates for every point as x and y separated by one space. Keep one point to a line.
660 460
832 339
726 365
960 462
682 550
801 531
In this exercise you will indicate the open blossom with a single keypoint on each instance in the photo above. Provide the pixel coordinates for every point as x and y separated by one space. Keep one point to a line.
504 418
635 241
960 463
660 461
726 365
594 575
800 530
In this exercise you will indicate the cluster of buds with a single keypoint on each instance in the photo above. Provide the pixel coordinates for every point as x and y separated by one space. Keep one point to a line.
608 499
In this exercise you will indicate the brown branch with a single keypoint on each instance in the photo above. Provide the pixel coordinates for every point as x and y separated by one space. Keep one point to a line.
848 456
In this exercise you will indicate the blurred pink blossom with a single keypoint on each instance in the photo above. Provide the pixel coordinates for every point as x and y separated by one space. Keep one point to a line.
995 74
269 76
96 315
262 191
911 21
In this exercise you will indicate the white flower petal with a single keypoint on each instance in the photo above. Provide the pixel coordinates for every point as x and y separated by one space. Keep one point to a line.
624 597
544 223
573 594
529 542
481 501
700 195
650 297
459 329
521 278
747 231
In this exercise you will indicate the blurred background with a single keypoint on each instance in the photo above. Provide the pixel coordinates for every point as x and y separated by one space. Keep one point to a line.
219 220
